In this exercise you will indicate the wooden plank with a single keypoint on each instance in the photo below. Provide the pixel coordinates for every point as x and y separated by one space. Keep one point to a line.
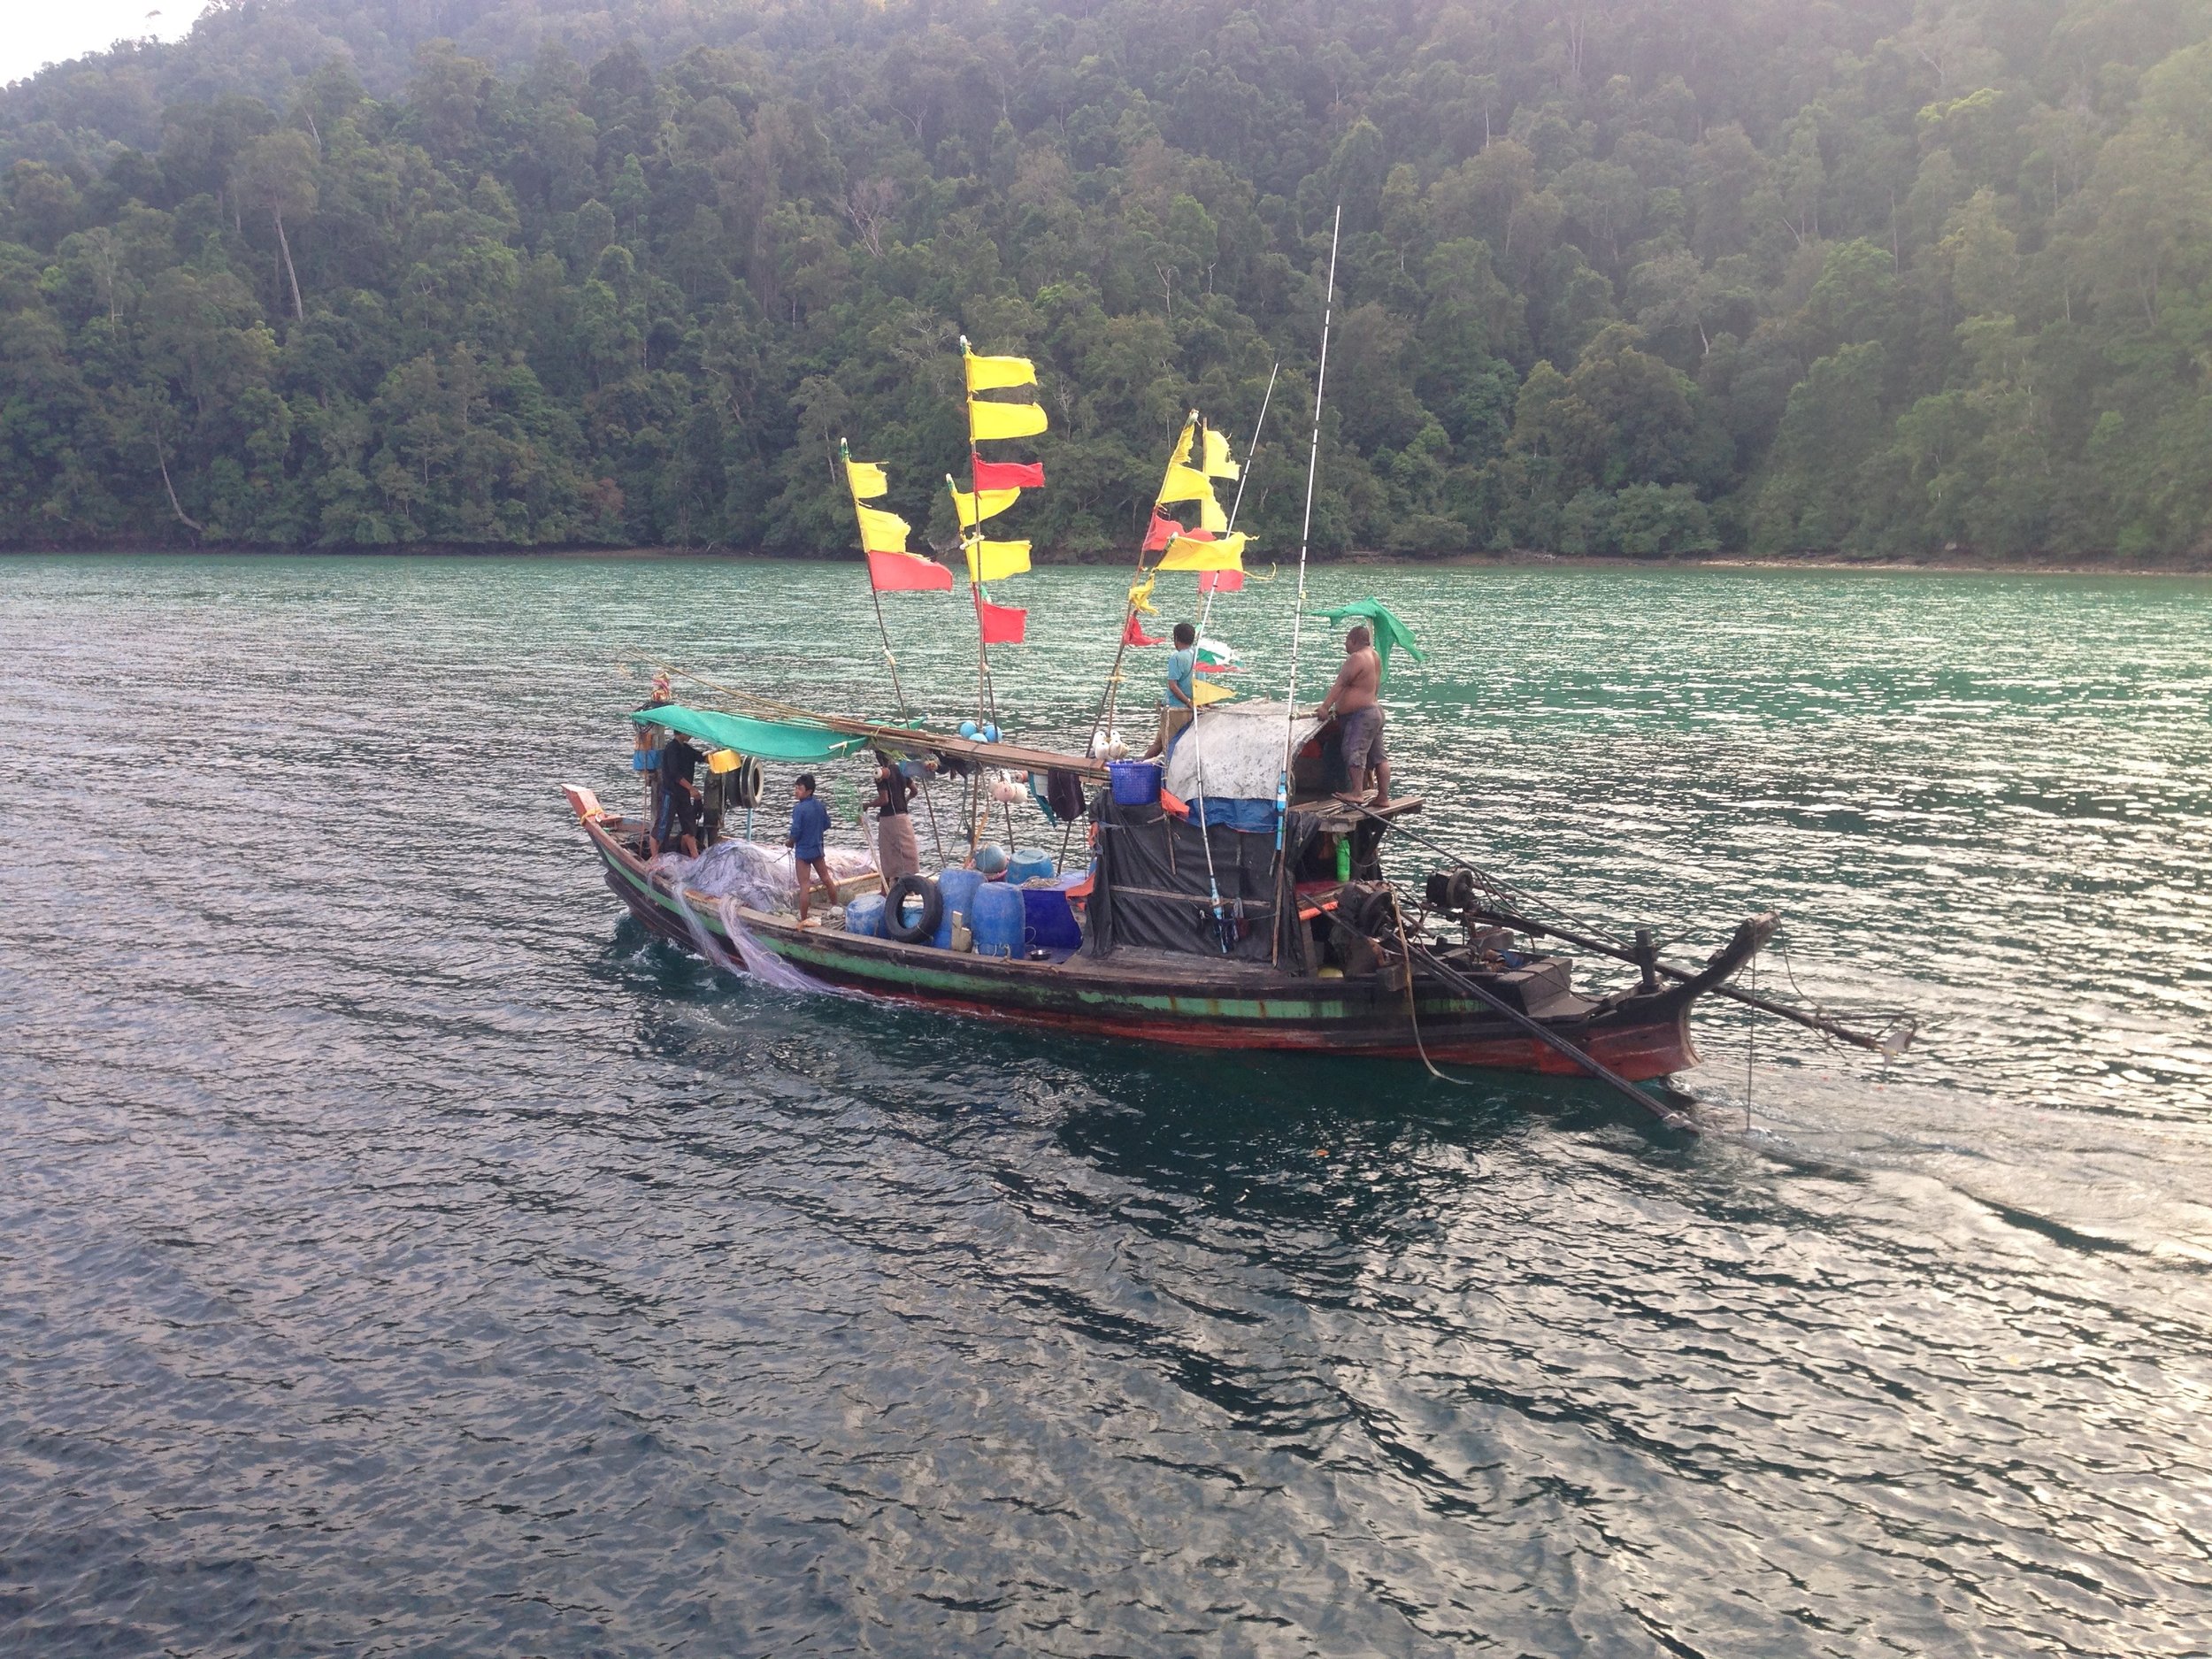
1329 813
909 737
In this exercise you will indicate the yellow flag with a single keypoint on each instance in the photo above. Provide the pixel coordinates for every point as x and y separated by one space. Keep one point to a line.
994 502
881 532
867 478
1182 445
1209 514
1141 597
987 421
1218 462
996 561
989 374
1185 483
1184 554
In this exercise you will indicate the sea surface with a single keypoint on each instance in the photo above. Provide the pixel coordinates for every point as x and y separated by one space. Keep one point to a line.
401 1255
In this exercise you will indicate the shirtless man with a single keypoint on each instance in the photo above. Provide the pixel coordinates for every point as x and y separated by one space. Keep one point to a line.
1355 698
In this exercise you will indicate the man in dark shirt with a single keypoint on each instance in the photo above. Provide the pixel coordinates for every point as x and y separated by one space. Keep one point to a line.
897 853
680 799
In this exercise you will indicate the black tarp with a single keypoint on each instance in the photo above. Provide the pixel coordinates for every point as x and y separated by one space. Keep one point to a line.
1152 889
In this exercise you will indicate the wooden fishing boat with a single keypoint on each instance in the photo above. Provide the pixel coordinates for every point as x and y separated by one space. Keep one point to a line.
1231 898
1415 998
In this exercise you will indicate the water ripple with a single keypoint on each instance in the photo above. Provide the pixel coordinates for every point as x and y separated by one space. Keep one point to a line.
399 1253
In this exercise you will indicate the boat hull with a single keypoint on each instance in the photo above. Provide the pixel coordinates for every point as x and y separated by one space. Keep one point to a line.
1199 1005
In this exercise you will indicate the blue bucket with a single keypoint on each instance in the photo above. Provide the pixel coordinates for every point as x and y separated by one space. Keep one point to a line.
1136 782
1027 864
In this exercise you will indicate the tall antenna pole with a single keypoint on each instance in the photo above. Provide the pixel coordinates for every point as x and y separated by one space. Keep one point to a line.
1259 426
1313 468
1237 506
1298 616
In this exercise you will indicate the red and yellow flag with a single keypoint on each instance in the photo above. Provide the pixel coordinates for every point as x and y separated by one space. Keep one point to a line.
996 475
1002 624
1214 553
907 573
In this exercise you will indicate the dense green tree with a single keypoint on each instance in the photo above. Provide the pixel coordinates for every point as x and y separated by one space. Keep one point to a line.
1630 281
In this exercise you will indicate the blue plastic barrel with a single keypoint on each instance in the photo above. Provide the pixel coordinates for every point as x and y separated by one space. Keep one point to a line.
1051 918
998 920
958 887
1027 864
865 916
1136 782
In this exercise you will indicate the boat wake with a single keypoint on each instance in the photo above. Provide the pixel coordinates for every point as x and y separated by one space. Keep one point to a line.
2088 1181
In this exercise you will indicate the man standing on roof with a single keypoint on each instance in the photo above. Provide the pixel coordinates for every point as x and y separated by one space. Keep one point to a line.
897 853
680 799
1355 699
1179 696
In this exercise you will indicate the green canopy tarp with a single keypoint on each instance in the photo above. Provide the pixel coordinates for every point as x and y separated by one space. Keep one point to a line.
764 739
1388 630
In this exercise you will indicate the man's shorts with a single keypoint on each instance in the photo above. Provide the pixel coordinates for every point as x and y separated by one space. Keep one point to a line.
1363 748
675 804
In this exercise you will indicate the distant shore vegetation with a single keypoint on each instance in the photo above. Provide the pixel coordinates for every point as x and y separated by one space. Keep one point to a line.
1881 282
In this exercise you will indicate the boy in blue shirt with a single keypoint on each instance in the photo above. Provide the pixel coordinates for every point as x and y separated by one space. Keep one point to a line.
1178 697
809 822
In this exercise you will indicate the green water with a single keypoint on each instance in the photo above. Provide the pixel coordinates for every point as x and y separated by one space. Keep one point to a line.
399 1251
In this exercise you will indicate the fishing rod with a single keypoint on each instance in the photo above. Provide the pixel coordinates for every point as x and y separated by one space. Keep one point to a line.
1222 931
1206 612
1305 540
1888 1045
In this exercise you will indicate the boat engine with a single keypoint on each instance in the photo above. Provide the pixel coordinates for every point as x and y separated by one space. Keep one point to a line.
1456 893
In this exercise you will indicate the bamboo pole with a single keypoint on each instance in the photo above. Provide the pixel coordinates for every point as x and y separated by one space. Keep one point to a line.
883 630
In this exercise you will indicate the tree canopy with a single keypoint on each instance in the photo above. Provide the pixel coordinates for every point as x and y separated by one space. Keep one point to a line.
1633 278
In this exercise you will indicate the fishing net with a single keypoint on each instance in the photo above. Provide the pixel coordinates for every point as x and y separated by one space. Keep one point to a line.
757 875
764 964
1240 745
754 959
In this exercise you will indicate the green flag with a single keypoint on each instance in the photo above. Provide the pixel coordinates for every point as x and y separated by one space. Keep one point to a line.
1389 632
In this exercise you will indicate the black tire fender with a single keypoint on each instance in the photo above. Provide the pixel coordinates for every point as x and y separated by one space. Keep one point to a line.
896 926
744 785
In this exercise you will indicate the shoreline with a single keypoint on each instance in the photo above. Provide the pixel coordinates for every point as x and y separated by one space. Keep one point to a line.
1946 565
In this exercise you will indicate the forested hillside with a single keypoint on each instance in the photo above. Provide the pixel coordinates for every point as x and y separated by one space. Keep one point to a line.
1638 278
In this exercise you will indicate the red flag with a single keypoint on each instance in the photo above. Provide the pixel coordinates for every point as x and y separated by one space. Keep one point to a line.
1220 582
907 573
1163 530
1007 475
1003 624
1133 634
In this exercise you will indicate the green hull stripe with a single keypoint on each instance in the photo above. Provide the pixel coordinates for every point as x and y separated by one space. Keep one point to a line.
918 976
